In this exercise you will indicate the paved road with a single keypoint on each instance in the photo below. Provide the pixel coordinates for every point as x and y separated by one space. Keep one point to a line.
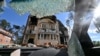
50 52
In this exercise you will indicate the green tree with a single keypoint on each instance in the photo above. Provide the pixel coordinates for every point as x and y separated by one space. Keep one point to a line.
5 24
96 43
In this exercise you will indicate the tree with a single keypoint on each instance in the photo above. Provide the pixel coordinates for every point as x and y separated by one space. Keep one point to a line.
18 33
96 43
4 24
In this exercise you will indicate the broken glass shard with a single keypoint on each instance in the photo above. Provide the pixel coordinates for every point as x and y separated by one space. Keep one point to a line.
41 8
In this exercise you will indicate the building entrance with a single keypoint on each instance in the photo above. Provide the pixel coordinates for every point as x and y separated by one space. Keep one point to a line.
31 40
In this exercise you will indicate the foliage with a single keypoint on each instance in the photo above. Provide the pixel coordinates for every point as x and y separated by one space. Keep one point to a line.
96 43
4 24
18 33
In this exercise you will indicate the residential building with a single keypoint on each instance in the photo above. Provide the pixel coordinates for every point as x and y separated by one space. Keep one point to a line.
5 37
44 30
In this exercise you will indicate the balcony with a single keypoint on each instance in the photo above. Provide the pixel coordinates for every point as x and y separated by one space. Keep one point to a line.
47 31
31 32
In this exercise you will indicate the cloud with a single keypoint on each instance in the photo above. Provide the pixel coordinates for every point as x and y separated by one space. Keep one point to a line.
95 37
92 31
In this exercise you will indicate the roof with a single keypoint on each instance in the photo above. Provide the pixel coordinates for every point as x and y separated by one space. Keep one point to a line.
5 32
53 18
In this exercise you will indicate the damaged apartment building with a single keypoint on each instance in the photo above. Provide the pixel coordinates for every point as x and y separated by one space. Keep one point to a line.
43 30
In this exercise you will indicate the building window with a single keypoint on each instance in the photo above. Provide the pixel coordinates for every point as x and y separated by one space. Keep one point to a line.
52 26
38 36
44 36
51 37
43 25
40 25
44 30
48 36
55 37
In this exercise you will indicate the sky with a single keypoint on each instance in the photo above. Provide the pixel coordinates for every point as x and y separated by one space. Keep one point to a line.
11 16
92 32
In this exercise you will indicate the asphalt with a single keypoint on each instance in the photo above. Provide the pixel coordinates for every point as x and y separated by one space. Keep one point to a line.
50 52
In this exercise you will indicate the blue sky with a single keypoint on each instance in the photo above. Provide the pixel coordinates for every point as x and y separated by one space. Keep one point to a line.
92 32
11 16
